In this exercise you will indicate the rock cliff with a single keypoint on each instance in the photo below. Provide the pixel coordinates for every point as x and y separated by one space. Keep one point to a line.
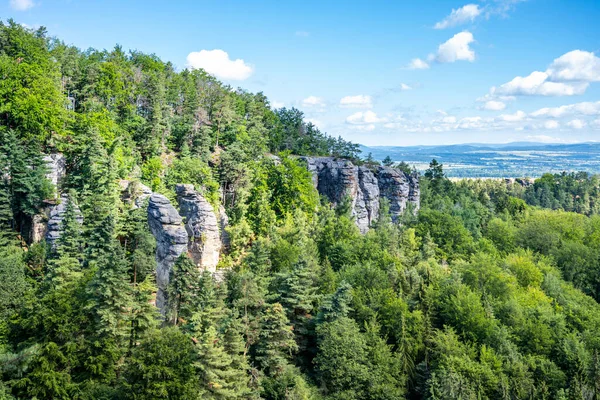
55 218
57 168
337 178
171 241
202 226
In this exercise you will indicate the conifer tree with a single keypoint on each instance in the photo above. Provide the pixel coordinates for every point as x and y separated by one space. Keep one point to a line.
183 291
276 343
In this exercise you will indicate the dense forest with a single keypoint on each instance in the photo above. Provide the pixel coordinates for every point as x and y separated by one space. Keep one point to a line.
490 291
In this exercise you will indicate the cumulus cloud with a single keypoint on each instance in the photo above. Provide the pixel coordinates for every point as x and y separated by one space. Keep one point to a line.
364 117
568 75
456 48
466 13
583 108
494 105
417 63
313 101
21 5
576 65
537 83
358 101
516 117
217 62
551 124
404 86
576 124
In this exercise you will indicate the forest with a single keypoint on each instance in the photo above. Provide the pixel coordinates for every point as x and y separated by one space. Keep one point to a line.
489 291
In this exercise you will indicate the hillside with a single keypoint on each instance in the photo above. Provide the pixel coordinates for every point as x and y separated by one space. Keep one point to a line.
165 236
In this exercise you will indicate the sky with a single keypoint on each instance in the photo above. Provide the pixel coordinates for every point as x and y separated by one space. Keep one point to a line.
386 73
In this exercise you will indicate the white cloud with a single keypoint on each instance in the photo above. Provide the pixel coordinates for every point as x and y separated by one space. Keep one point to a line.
313 101
584 108
537 83
364 117
551 124
576 65
302 34
576 124
460 16
596 123
494 105
404 86
360 100
568 75
277 104
217 62
456 48
516 117
417 63
21 5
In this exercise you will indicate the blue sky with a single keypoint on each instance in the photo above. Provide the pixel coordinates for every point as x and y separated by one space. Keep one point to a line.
377 72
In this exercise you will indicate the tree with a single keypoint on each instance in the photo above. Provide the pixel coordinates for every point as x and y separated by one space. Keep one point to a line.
161 367
182 292
276 341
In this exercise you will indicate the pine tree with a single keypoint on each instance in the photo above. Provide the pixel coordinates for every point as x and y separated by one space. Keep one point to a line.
65 267
338 305
109 306
183 290
218 376
276 342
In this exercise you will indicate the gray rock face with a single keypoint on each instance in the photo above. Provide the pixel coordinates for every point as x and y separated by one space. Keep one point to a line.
337 178
57 168
202 226
57 214
171 241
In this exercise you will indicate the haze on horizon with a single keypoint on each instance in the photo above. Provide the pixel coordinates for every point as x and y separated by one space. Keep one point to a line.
378 74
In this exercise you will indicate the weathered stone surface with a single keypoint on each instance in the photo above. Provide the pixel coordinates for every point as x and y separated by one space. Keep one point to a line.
337 178
39 225
202 226
171 241
55 218
57 168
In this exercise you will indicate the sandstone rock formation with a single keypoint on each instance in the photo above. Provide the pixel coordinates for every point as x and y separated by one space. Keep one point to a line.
57 168
171 241
202 226
56 216
337 178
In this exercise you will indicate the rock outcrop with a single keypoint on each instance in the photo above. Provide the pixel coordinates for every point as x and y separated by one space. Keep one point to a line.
57 168
171 241
337 178
202 226
55 218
